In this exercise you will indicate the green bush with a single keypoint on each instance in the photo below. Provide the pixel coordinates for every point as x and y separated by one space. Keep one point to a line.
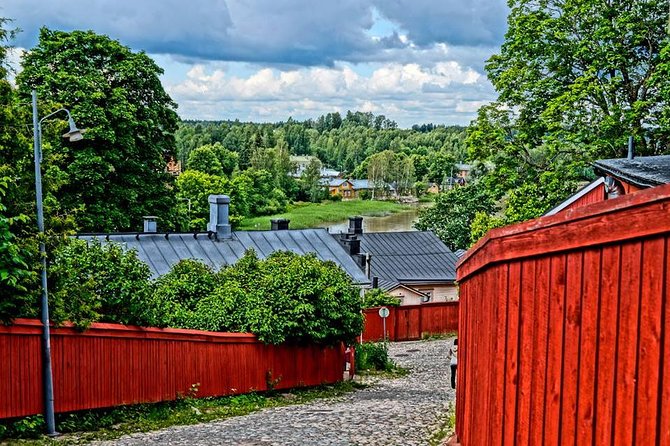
286 297
93 282
177 293
373 356
378 298
14 270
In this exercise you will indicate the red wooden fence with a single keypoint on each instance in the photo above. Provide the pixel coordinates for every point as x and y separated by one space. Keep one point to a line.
410 322
111 365
565 328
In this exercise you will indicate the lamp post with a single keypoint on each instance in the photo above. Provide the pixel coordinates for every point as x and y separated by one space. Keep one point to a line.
74 134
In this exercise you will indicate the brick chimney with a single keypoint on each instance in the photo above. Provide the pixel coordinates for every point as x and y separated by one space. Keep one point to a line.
218 216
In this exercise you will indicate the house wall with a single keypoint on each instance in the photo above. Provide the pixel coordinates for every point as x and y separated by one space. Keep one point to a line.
439 293
564 328
407 297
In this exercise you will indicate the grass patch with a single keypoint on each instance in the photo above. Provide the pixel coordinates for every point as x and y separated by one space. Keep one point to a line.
445 427
108 424
311 215
426 336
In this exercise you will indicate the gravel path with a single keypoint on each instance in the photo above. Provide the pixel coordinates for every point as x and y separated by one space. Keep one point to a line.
404 411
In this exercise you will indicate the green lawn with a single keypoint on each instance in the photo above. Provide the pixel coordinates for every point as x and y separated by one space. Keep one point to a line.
311 215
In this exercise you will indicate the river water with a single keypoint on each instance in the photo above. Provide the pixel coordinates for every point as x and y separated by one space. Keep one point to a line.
398 222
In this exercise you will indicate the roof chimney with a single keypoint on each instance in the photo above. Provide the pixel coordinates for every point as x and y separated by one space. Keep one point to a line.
355 225
351 243
279 224
218 216
150 223
631 148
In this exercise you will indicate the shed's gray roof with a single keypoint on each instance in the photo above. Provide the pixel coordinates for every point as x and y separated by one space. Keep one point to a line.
161 253
409 257
642 171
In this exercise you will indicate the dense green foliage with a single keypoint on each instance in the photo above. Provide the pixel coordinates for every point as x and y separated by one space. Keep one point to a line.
378 298
452 214
99 282
14 270
373 356
284 298
117 96
340 143
575 79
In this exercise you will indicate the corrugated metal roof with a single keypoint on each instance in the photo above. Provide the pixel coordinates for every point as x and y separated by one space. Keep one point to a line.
161 253
418 256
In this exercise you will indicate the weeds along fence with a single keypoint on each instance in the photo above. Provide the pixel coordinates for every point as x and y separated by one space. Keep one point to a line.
110 365
565 328
411 322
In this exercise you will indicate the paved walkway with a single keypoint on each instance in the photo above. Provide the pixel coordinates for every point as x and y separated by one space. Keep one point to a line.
404 411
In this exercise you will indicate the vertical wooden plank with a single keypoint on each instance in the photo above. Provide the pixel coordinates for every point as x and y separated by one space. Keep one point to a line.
663 427
571 342
539 357
626 364
498 382
587 345
606 345
526 340
649 341
510 408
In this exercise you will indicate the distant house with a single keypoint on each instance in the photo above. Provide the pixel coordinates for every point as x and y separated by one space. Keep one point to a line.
221 246
173 167
350 189
339 186
414 266
620 176
301 163
433 188
462 171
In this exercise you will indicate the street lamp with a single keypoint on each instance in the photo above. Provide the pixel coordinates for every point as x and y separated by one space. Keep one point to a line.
74 134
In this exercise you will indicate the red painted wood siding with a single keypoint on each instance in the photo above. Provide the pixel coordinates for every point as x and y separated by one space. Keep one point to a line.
596 195
410 322
111 365
565 328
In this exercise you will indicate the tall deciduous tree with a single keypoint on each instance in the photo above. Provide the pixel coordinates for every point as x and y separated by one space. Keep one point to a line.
117 173
575 79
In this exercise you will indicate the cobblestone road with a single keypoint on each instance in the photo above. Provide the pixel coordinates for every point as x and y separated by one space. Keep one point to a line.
405 411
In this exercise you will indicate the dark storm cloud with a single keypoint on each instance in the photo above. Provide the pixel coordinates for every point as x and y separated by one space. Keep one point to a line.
291 32
454 22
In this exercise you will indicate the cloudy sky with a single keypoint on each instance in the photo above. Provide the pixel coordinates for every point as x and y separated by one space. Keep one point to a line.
415 61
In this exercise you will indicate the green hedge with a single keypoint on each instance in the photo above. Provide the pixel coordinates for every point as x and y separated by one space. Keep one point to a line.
284 298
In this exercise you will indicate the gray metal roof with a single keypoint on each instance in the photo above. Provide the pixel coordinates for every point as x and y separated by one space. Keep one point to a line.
409 257
642 171
161 253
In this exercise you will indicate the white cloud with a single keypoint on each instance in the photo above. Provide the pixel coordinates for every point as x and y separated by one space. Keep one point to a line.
399 91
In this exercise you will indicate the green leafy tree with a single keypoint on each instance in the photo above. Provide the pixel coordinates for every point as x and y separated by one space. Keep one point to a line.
15 300
117 173
575 79
97 281
311 178
378 298
203 159
450 218
178 292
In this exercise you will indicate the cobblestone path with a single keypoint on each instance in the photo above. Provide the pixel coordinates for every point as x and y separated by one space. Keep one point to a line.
404 411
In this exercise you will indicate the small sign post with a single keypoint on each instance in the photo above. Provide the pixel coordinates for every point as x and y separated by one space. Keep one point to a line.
384 313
